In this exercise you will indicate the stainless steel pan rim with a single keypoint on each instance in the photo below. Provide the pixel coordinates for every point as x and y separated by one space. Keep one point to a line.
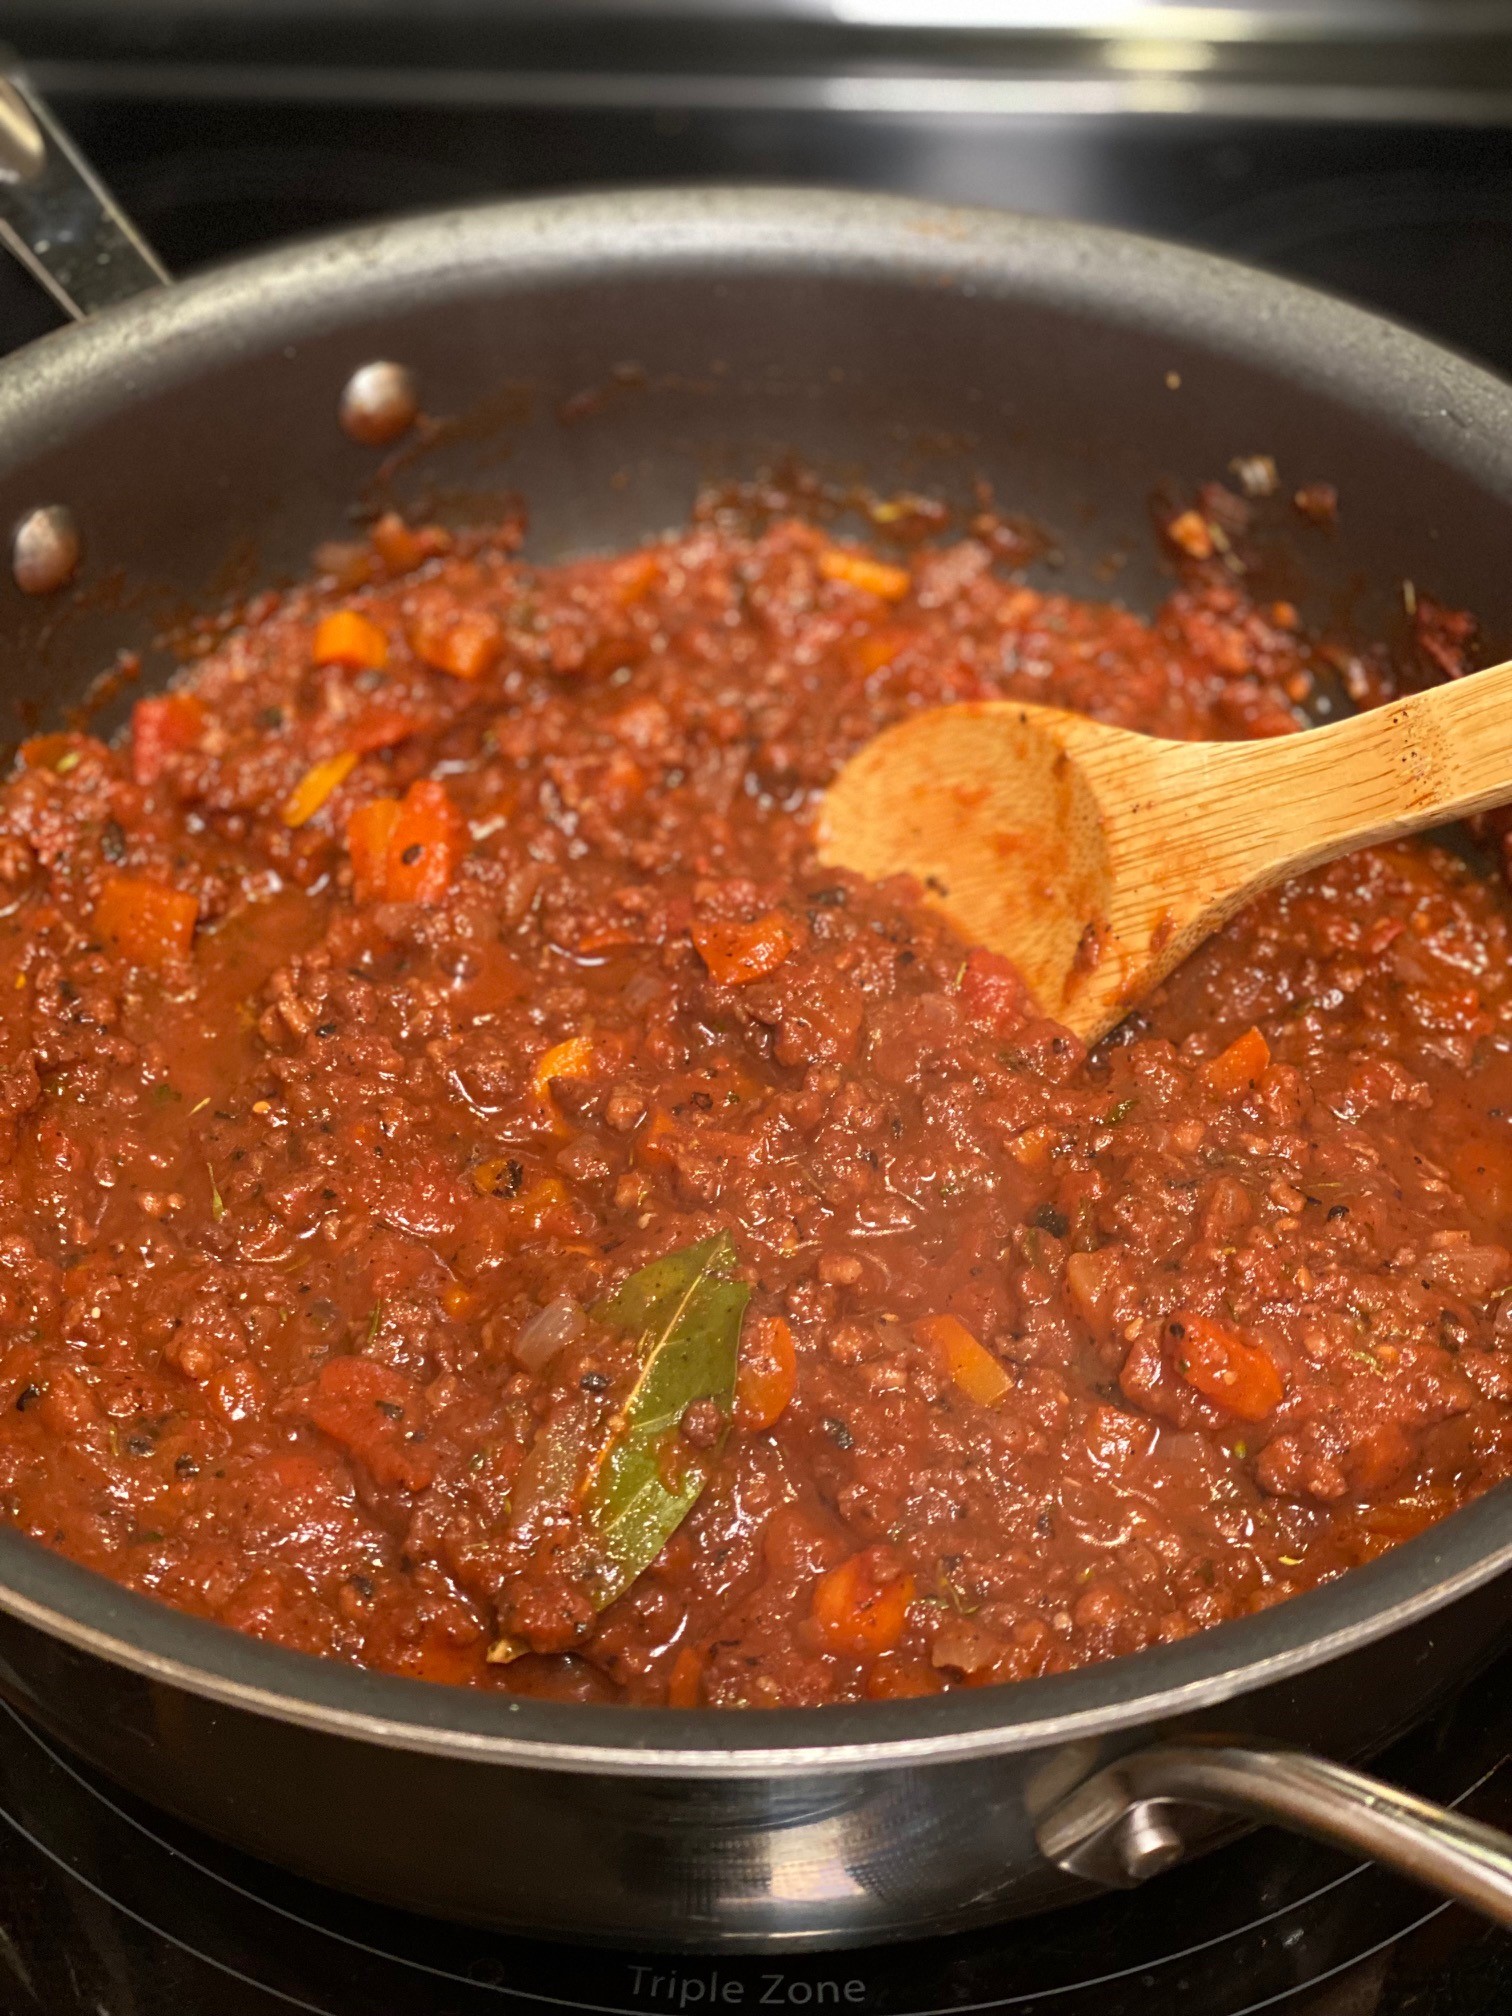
1406 1586
1116 278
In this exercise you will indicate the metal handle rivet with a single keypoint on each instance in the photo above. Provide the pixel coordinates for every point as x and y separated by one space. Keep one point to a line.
45 550
380 401
1147 1842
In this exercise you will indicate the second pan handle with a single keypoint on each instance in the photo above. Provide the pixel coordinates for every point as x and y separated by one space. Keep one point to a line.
56 215
1124 1822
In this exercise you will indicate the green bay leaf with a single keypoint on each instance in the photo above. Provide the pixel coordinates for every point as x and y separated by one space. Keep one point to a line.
685 1311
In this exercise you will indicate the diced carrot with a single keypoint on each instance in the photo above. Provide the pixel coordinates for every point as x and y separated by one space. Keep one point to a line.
685 1681
370 829
346 637
1238 1068
543 1202
768 1374
577 1057
658 1138
316 785
1032 1146
406 850
738 953
458 1301
573 1058
873 577
463 642
1234 1375
881 647
971 1365
544 1207
539 1206
46 752
607 938
896 1677
631 577
1398 1519
1192 533
149 923
401 547
499 1176
861 1607
428 843
162 727
373 1412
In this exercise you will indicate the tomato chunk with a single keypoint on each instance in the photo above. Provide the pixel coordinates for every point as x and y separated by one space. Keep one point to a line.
379 728
374 1413
993 993
1223 1368
406 850
861 1607
149 923
899 1677
736 954
403 547
162 727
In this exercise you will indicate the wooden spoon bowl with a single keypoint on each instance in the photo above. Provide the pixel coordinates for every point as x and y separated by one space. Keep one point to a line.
1096 859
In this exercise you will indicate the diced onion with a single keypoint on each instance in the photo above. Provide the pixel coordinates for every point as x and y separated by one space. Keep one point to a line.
547 1331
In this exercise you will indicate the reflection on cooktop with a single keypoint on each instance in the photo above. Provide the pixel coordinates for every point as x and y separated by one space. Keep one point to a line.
1430 248
107 1909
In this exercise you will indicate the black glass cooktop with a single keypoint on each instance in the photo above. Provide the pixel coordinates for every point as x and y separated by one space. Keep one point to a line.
107 1909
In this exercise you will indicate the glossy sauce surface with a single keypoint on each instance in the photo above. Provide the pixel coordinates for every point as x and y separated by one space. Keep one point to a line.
451 946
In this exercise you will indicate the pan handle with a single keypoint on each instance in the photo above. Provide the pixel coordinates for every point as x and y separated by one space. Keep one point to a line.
56 216
1124 1823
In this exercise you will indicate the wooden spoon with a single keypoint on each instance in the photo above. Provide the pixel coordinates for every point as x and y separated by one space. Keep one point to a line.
1096 859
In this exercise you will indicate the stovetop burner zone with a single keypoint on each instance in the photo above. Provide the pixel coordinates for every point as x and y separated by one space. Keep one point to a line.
109 1908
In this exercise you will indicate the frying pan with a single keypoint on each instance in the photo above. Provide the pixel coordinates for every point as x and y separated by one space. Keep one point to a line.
603 356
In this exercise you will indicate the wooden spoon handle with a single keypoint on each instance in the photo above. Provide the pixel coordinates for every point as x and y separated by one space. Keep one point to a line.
1418 762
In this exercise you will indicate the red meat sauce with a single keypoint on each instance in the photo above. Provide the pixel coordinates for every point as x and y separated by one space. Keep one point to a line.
451 945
